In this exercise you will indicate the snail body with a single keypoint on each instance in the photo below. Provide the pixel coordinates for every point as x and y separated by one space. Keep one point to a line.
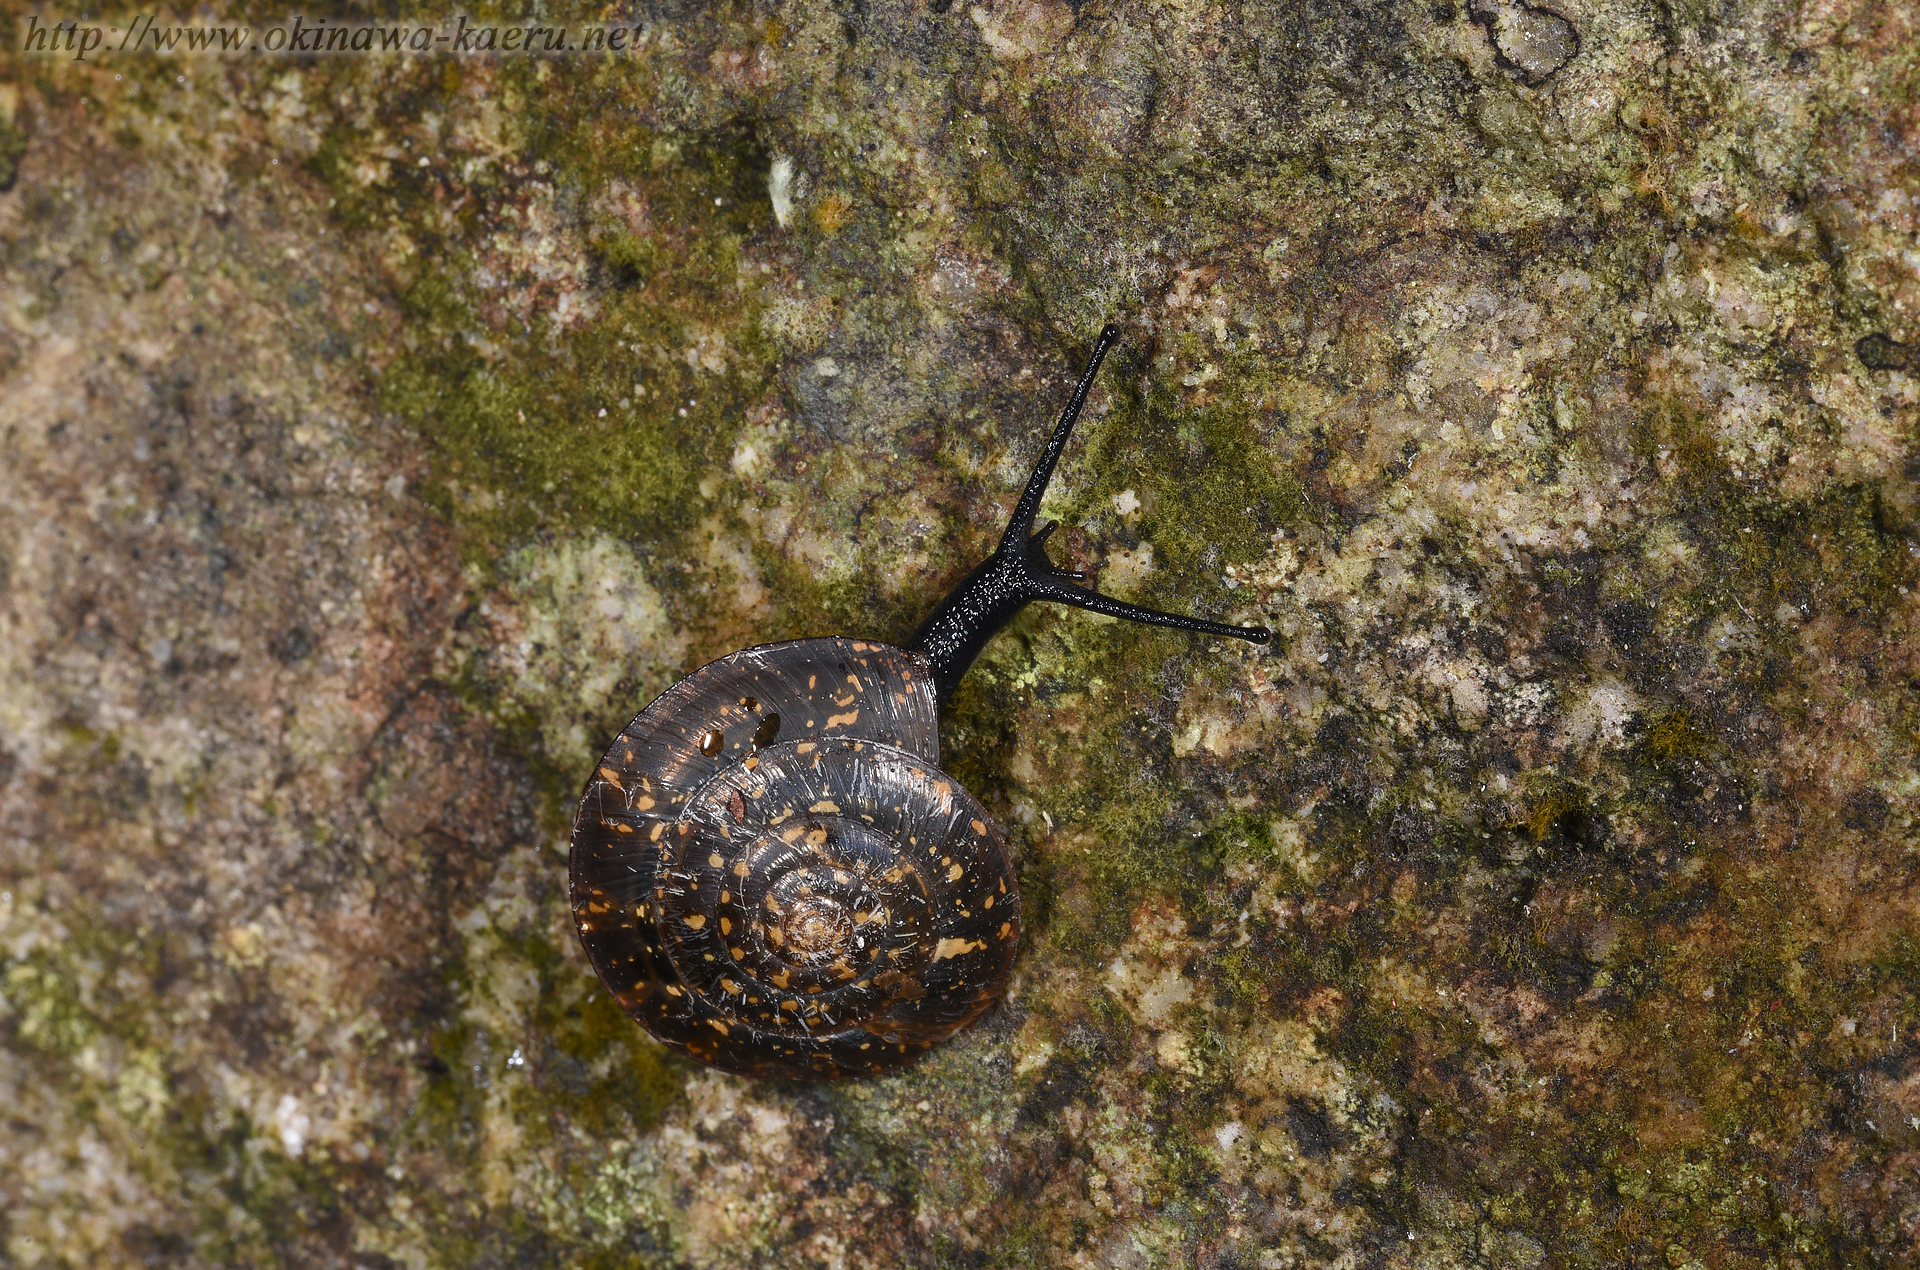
769 870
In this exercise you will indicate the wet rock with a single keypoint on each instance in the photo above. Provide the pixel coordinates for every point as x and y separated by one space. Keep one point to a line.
1531 41
378 434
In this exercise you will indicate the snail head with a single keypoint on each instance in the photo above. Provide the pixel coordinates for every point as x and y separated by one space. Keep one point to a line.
1019 572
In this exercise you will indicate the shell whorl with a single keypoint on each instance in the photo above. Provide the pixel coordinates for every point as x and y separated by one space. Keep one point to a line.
809 897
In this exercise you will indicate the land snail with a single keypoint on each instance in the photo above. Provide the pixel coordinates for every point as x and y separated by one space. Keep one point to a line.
769 870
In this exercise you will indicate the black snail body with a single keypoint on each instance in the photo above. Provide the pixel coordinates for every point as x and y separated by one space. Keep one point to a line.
770 871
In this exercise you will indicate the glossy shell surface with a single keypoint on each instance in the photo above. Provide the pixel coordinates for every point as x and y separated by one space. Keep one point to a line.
771 873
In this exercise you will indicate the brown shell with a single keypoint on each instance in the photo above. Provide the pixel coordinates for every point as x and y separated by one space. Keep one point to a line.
770 873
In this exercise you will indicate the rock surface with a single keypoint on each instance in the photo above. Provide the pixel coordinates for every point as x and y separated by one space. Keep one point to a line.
378 432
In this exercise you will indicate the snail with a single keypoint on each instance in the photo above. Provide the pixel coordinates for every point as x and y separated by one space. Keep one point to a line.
769 870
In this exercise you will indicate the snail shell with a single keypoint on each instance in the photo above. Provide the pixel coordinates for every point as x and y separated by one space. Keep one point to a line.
771 872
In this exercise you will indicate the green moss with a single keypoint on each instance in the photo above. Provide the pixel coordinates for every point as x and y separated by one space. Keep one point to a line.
13 144
1900 962
862 601
518 726
606 420
1212 461
620 1082
1246 974
605 428
448 1107
1557 809
1672 738
580 1055
1761 549
253 1205
46 1006
249 1202
603 422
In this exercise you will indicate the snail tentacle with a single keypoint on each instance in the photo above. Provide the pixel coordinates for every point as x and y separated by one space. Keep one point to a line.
1018 572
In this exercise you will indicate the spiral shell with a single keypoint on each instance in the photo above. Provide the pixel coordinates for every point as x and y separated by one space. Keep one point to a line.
772 875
